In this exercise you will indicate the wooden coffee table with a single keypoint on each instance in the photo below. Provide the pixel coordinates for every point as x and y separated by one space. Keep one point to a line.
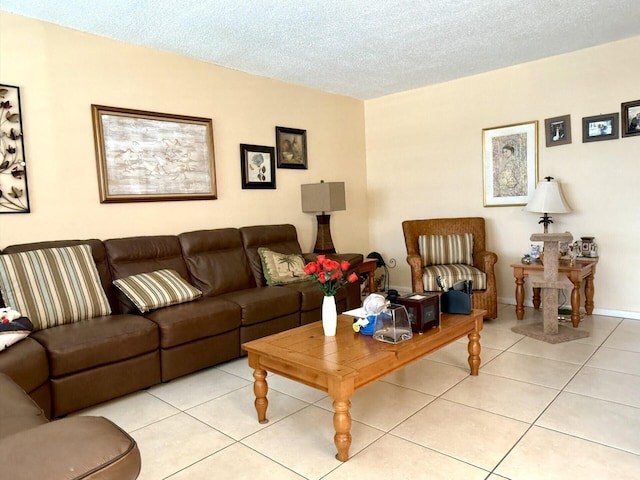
342 364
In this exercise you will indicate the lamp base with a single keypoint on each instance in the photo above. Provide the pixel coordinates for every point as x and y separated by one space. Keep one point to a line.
324 243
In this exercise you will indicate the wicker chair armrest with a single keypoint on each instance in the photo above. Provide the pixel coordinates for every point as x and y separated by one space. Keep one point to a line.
415 262
485 261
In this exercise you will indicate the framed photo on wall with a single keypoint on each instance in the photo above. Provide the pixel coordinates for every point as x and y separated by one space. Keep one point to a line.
600 127
149 157
292 147
258 166
510 164
631 118
557 130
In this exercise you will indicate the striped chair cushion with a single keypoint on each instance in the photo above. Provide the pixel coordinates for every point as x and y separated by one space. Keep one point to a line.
446 249
53 286
158 289
452 274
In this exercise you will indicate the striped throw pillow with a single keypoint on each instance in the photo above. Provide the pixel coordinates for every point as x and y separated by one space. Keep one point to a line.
158 289
53 286
446 249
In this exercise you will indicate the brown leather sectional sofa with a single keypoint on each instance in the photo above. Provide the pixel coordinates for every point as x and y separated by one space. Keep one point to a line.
70 367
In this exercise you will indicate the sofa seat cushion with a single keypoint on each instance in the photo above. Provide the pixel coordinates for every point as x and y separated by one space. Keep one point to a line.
99 341
452 274
18 411
26 363
196 320
74 448
311 296
264 303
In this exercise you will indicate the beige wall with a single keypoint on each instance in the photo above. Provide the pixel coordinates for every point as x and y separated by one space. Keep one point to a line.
423 149
424 160
61 72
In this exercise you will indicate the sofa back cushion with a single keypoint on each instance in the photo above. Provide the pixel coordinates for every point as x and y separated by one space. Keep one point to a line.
446 249
98 253
53 286
278 238
216 261
134 255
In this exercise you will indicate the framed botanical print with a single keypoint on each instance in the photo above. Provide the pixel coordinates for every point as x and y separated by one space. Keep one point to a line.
258 166
510 164
14 194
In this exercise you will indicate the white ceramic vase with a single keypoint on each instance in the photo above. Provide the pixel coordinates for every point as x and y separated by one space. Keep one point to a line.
329 316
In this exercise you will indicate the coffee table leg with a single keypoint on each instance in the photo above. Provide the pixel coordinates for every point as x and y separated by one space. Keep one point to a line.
342 426
474 352
260 389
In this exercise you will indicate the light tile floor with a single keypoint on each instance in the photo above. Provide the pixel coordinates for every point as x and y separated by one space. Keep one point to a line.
536 411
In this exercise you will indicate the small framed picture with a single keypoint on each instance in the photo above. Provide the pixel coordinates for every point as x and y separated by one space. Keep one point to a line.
258 166
631 118
292 147
600 127
558 130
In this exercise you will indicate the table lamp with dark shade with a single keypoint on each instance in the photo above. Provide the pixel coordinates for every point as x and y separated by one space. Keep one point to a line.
547 198
323 197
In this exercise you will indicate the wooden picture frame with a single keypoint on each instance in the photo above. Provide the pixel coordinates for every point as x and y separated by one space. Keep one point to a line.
600 127
630 113
292 148
14 193
150 157
557 130
258 166
510 164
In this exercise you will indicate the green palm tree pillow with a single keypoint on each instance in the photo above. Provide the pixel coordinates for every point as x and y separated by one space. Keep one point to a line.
282 268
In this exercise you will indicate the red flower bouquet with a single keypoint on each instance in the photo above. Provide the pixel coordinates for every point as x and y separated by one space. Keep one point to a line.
329 274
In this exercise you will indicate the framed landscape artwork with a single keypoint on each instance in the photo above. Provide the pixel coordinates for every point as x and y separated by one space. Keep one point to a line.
510 164
258 166
147 156
631 118
292 147
600 127
557 130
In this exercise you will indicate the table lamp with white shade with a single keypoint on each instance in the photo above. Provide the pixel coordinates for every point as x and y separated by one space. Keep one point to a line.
546 199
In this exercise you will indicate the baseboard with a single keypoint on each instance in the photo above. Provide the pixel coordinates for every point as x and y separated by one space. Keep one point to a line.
596 311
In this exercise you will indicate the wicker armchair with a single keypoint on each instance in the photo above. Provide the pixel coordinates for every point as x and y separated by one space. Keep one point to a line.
486 299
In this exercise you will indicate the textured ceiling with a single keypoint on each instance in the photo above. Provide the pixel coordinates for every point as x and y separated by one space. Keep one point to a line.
359 48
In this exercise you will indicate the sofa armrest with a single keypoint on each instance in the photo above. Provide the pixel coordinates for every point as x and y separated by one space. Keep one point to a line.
76 447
